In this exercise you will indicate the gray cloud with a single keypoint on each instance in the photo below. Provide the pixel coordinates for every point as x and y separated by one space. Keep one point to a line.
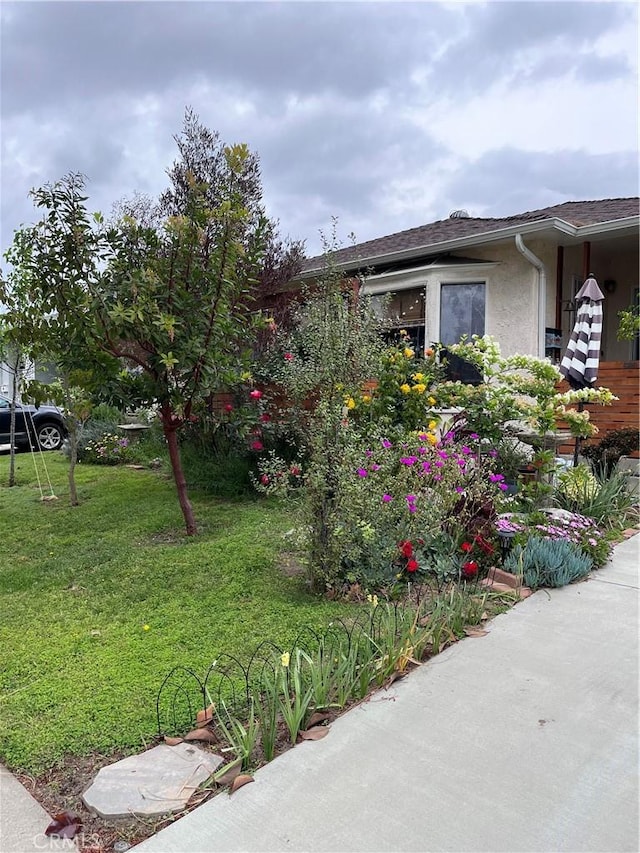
488 186
329 94
531 40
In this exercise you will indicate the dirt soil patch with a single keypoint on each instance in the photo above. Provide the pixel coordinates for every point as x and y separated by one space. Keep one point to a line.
61 787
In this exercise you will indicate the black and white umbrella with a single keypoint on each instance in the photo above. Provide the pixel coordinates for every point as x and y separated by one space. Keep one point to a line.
579 365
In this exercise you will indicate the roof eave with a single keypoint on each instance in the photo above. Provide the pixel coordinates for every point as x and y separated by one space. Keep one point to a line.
455 243
556 224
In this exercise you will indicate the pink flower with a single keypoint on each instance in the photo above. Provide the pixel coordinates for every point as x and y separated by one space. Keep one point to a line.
255 394
264 480
288 356
257 445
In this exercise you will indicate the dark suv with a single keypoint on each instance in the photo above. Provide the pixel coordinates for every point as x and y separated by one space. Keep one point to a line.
43 425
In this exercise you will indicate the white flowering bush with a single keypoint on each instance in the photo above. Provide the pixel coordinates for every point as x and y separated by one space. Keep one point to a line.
521 388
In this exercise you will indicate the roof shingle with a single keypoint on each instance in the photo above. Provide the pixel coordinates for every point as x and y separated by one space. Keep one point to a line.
577 213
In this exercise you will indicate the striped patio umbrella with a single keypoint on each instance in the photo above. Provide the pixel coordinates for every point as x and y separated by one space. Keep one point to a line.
579 365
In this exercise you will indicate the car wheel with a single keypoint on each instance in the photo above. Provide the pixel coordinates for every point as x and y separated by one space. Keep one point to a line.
50 436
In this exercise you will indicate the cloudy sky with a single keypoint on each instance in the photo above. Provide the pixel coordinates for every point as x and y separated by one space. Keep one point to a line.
387 115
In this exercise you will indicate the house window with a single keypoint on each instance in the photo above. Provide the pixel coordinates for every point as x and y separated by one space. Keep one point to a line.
462 310
403 309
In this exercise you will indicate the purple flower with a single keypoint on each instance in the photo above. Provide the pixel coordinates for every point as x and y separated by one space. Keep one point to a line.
368 453
474 436
386 443
408 460
443 454
437 477
461 462
438 463
493 453
411 499
426 466
387 498
496 478
412 507
362 472
460 490
375 467
466 450
503 486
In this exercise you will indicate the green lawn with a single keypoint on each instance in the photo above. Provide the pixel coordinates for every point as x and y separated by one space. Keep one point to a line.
78 671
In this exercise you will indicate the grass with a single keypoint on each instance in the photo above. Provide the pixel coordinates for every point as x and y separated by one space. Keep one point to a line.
79 672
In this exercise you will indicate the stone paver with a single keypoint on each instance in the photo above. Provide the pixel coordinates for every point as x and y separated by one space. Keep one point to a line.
160 780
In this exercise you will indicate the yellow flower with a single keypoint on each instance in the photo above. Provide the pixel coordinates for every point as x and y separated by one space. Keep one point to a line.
366 398
406 389
246 376
420 388
285 658
146 627
373 600
431 438
350 403
417 377
433 424
431 401
408 353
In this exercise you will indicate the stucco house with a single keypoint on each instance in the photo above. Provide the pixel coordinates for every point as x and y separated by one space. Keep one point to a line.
514 278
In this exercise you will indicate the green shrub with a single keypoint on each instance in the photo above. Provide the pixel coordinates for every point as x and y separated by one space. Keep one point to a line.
109 449
103 412
548 562
605 454
93 431
606 500
224 475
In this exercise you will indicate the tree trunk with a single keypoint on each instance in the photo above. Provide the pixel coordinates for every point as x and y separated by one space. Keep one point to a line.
12 441
170 433
73 458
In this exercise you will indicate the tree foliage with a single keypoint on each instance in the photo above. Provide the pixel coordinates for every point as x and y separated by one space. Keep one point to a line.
167 286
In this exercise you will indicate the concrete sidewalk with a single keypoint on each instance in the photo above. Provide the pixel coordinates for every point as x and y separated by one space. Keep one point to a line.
23 820
522 740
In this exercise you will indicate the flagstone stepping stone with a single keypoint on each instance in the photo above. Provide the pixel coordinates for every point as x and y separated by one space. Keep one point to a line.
158 781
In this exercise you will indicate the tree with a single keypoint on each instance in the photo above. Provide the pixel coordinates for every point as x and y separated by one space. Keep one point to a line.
52 267
13 356
166 286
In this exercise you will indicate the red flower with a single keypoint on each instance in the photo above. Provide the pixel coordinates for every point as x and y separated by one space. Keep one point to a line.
288 356
265 418
264 480
412 565
228 407
255 394
406 548
485 546
294 470
469 569
257 445
466 547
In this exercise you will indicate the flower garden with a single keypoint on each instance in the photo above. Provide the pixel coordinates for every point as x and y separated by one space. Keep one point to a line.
393 489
